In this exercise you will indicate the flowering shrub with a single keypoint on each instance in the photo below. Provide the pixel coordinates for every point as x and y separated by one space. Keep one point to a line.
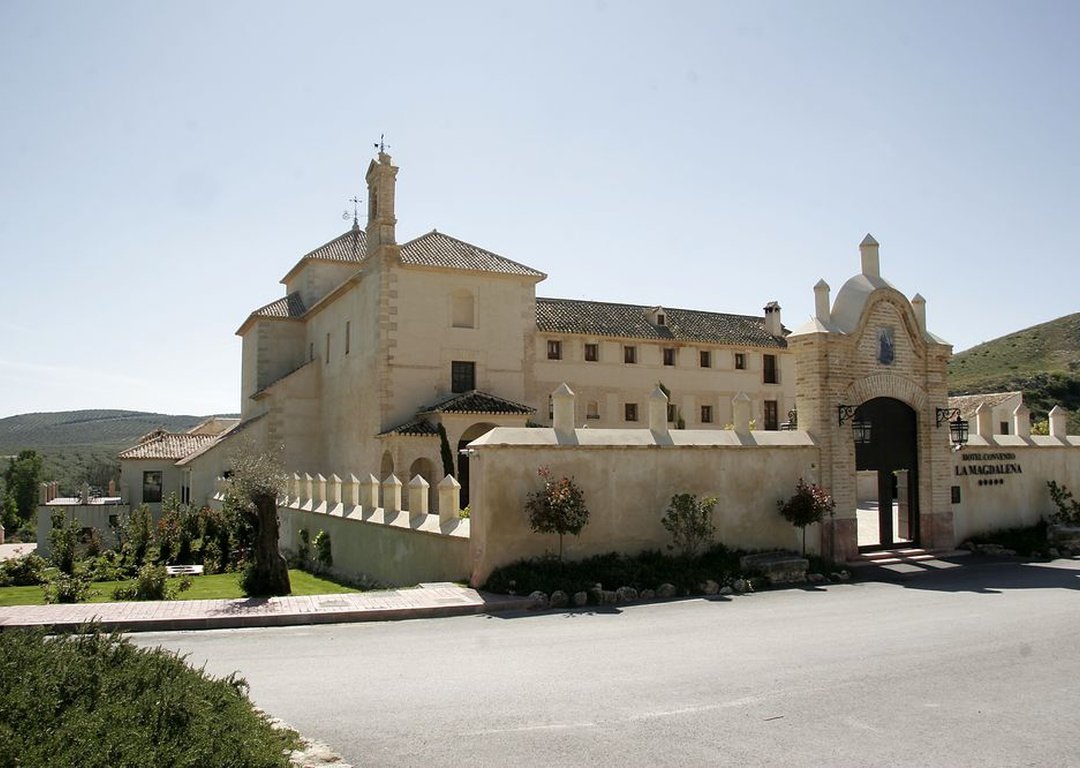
689 521
558 507
809 504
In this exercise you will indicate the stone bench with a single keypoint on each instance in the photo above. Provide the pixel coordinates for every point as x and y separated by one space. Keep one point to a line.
184 570
777 567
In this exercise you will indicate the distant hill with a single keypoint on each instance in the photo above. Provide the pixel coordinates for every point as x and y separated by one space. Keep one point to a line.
1042 361
81 446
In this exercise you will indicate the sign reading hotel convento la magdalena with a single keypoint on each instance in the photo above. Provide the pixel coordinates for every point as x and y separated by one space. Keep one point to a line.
992 464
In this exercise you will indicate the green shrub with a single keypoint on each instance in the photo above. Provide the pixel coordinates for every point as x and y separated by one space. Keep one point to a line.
63 541
136 534
96 700
24 571
67 588
558 507
151 583
689 521
1068 508
323 555
645 570
809 504
303 548
108 566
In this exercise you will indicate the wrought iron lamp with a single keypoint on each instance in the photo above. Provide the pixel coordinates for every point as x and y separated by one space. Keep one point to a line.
958 427
861 429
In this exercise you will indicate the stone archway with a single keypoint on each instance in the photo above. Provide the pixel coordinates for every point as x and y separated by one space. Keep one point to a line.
887 451
470 434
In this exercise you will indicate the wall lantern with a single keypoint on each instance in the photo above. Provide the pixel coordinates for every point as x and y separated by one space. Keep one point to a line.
861 429
958 427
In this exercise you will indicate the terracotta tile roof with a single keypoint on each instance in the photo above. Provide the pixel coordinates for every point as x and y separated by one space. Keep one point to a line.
351 246
288 307
598 318
969 403
438 250
416 427
160 444
476 401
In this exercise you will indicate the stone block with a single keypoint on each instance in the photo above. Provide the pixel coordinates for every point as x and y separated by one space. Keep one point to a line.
777 567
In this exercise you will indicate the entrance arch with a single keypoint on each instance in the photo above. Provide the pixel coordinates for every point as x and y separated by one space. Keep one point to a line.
888 456
470 434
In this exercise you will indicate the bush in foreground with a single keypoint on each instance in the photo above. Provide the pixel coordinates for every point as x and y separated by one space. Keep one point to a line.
96 699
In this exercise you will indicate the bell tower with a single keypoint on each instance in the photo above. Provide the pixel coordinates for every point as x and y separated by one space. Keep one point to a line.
381 180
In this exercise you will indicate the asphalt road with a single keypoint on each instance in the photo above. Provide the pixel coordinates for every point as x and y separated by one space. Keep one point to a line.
977 666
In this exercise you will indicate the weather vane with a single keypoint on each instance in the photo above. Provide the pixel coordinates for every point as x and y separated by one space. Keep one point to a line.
382 146
355 215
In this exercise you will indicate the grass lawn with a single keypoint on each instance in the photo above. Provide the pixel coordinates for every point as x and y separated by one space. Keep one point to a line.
217 586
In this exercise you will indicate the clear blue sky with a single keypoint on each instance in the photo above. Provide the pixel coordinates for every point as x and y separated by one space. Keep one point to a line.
163 164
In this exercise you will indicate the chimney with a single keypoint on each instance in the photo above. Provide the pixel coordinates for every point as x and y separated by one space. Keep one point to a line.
868 250
772 319
821 303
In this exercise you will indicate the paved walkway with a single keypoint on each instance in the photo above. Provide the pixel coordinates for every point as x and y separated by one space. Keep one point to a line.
11 551
424 601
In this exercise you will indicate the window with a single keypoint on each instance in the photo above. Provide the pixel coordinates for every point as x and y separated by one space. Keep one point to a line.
661 318
669 355
348 335
705 358
592 353
462 376
706 414
629 354
592 410
772 420
672 413
551 408
151 487
768 364
554 350
1004 427
328 349
311 351
740 361
630 411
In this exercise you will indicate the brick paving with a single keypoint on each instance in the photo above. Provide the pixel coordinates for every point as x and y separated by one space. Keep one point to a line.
423 601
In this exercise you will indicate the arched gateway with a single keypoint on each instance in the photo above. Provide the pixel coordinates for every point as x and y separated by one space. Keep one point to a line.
871 379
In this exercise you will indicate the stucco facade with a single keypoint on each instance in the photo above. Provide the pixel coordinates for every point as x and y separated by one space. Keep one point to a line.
363 360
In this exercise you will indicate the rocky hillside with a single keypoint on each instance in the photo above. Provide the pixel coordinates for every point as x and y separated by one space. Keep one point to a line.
1042 361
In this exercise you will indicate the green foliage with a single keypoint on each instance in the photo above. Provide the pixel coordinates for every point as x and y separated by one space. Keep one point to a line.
1028 541
96 700
136 534
809 504
21 481
445 452
1068 508
303 547
25 571
64 541
151 583
1041 427
323 556
645 570
689 521
9 515
67 588
558 507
